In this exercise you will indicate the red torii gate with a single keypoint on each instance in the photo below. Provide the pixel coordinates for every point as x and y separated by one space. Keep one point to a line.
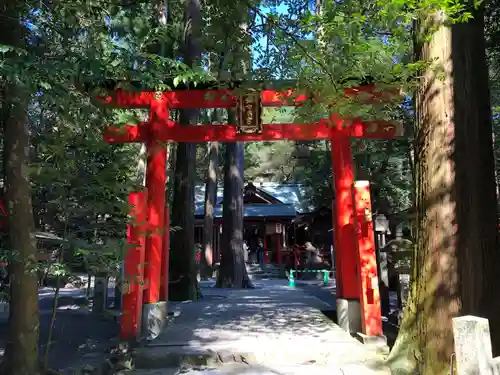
356 271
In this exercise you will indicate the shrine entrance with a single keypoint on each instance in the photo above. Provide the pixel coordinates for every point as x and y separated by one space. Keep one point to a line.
358 302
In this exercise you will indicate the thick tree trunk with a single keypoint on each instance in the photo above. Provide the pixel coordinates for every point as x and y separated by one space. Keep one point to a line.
183 270
22 348
457 259
206 260
232 271
183 284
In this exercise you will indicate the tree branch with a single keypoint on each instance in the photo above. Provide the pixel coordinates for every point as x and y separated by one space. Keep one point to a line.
296 41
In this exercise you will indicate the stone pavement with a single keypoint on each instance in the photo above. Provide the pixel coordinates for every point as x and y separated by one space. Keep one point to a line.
271 329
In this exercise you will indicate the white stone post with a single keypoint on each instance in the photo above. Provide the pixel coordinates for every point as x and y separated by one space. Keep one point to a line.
473 347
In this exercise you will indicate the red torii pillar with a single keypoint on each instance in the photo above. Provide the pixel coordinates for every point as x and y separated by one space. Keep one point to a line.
371 313
130 321
347 271
357 292
166 256
155 308
161 128
149 260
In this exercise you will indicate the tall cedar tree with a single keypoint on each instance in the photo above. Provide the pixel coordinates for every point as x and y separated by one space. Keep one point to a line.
182 260
457 258
21 356
233 273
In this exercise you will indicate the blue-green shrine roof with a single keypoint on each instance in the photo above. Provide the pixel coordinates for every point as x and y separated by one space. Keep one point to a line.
258 210
290 200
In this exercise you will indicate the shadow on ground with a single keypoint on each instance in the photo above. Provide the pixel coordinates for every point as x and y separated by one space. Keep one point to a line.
78 338
273 326
327 295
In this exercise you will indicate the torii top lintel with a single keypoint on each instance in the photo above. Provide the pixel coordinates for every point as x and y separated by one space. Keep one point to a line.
161 128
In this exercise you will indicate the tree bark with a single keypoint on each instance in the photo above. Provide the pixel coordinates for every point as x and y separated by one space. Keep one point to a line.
183 285
183 270
232 271
22 347
457 259
21 355
206 260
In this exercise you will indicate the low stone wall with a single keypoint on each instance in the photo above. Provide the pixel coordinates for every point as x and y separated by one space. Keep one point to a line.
473 354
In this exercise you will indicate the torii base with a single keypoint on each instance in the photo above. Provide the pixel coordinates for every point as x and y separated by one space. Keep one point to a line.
154 319
378 343
349 315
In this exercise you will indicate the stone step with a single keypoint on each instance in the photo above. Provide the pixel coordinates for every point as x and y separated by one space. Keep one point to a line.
158 357
265 268
264 277
243 369
264 271
256 272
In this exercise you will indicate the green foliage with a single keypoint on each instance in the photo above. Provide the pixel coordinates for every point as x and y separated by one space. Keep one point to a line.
80 183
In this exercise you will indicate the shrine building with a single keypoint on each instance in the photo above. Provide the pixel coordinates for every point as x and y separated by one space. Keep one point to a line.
277 215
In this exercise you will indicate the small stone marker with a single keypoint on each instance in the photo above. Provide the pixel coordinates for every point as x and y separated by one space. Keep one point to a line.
473 346
100 292
154 318
404 288
401 257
